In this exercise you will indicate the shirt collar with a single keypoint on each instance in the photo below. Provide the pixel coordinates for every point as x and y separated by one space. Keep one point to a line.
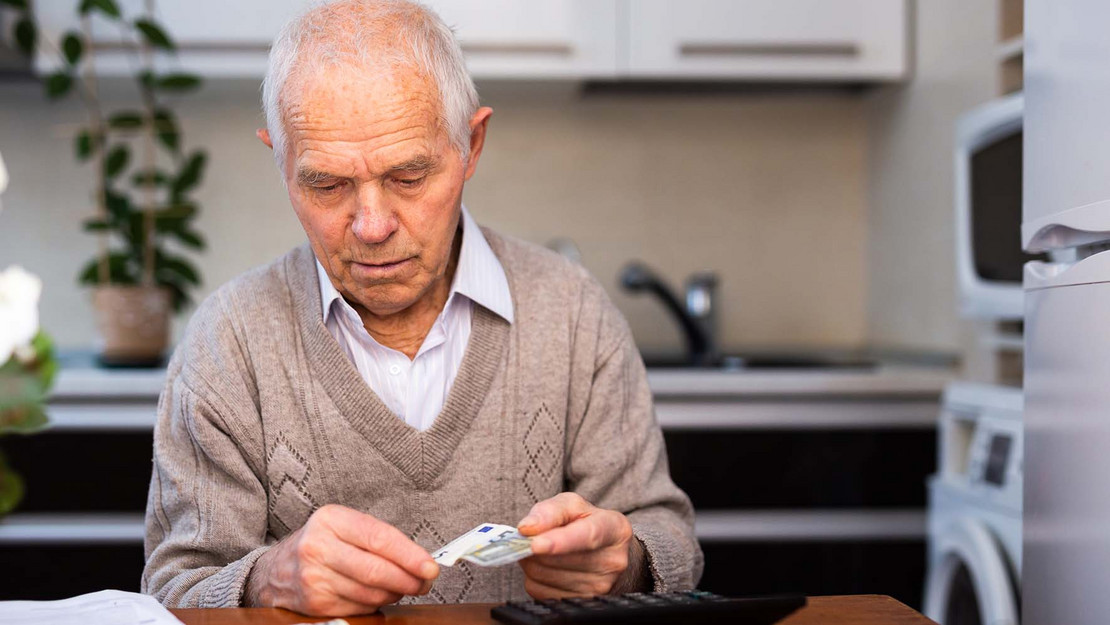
479 275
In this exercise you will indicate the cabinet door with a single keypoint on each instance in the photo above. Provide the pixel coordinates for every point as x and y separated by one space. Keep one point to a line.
215 38
535 39
500 38
767 39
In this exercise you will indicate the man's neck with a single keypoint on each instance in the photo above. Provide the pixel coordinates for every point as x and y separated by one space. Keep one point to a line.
406 330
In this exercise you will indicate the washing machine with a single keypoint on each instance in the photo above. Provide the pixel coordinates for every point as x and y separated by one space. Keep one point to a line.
975 500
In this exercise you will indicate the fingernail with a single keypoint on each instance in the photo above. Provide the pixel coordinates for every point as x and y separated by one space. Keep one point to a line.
528 520
429 570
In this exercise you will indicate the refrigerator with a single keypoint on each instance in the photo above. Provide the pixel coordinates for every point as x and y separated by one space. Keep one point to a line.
1066 213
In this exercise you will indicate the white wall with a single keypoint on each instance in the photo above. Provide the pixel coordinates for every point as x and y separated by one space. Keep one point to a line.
912 297
768 190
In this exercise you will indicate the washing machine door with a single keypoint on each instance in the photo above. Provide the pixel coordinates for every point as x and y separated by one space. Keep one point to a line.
969 583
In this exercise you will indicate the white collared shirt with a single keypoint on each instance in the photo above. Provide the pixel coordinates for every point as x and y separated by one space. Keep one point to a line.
415 390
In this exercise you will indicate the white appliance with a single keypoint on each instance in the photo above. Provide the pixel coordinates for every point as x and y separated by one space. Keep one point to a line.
989 258
975 501
1066 548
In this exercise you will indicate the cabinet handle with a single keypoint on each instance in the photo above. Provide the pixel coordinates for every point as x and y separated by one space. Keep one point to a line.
783 48
523 47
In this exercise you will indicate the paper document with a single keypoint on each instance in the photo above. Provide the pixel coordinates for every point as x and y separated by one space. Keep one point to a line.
107 607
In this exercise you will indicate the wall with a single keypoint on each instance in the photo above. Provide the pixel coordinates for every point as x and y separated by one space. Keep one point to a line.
912 297
768 190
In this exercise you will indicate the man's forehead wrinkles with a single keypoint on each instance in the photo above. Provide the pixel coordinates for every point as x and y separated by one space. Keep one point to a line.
354 163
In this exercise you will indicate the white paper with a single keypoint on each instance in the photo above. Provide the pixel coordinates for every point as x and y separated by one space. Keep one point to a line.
107 607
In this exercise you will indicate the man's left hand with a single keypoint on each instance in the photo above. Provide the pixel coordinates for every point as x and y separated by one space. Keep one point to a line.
579 549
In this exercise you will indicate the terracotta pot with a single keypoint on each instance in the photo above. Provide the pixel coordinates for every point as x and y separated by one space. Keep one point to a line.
134 324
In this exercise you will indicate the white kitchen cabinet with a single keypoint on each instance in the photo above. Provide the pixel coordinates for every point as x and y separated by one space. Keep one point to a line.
572 39
762 40
545 39
774 40
215 38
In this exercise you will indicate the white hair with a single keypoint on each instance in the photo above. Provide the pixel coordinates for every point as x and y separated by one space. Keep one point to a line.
376 33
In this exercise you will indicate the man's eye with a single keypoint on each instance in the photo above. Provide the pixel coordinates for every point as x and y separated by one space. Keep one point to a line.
409 183
331 187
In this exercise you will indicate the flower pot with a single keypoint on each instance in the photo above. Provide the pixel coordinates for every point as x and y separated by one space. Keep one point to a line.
134 323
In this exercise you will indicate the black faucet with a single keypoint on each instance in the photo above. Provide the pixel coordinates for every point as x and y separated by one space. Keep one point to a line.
695 319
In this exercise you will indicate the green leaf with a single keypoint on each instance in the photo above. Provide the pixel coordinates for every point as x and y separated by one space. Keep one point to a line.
150 178
72 47
175 269
58 84
190 174
135 233
179 297
24 387
107 7
116 161
126 120
17 4
189 238
83 145
44 364
120 270
22 419
96 225
166 128
177 82
11 489
154 34
118 205
26 35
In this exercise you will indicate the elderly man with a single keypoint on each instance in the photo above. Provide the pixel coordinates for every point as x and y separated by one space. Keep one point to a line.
407 375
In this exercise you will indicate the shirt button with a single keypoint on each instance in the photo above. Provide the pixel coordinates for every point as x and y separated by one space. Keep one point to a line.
394 369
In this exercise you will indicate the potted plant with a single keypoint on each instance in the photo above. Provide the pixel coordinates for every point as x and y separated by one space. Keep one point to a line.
27 366
143 211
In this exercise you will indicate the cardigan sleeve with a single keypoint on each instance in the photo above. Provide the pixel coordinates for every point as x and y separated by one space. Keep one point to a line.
206 511
617 458
206 515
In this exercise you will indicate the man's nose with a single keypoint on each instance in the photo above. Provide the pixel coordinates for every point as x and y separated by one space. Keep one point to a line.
375 221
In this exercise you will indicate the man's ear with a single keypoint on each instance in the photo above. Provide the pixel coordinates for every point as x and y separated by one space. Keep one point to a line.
264 134
479 122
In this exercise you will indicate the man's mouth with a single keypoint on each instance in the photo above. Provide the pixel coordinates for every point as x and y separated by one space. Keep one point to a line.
388 263
379 269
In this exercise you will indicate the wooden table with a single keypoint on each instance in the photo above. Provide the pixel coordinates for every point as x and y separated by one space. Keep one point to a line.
854 609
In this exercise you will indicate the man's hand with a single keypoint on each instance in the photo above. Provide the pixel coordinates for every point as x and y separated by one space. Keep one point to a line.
579 549
342 562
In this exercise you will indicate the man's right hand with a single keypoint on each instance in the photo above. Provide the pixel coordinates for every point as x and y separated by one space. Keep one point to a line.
341 563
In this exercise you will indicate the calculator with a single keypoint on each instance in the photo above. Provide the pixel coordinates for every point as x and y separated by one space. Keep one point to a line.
689 607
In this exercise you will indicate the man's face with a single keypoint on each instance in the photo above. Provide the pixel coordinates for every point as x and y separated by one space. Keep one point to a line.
375 182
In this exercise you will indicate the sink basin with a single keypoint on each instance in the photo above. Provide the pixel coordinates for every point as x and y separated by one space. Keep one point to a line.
763 361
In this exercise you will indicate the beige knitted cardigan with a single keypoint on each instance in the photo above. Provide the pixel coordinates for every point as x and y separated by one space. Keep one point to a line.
263 419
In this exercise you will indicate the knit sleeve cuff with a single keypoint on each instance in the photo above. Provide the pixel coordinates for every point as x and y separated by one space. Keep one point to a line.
670 569
225 588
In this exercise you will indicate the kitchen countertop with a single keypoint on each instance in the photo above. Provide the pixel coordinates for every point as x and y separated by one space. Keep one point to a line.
883 380
79 377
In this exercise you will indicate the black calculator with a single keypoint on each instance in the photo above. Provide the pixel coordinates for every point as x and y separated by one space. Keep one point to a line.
692 607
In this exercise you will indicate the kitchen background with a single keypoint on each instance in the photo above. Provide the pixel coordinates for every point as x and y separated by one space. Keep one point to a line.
826 211
825 208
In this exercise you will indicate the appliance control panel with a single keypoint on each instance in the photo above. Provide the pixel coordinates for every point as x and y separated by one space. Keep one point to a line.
981 441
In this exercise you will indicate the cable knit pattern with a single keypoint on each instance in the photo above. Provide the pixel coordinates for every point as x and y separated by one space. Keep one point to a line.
264 419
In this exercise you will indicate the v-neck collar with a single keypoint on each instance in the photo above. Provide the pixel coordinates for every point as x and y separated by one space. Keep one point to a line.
422 456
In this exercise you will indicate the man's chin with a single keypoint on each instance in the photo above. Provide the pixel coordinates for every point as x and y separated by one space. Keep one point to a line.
386 300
